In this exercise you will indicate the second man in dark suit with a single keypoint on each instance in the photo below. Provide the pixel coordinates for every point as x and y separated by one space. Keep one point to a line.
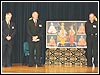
8 33
91 29
34 35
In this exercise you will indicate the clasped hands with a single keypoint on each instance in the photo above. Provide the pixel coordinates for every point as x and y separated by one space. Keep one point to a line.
8 37
35 38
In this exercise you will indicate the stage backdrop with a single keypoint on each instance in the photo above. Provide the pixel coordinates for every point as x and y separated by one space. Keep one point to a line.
52 11
65 34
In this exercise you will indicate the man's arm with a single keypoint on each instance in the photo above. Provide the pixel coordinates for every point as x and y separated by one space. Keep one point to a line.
14 30
4 34
28 29
96 31
87 31
41 30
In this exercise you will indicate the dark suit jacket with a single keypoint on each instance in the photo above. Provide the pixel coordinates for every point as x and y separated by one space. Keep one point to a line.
33 30
6 31
91 28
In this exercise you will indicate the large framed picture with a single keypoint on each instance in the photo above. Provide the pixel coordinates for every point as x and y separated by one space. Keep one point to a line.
65 34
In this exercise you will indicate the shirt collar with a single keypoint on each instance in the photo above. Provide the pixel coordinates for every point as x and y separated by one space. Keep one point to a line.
34 20
8 22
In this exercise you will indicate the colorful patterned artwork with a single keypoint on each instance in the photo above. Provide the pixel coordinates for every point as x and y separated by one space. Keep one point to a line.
65 34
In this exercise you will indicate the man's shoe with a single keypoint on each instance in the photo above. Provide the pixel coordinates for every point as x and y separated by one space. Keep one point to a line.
89 65
31 65
96 65
4 66
9 65
40 65
34 65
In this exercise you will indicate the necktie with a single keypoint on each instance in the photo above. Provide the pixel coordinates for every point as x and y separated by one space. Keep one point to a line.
35 23
9 25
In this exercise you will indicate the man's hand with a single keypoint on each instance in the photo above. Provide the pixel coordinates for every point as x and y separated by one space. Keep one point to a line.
8 37
95 33
34 38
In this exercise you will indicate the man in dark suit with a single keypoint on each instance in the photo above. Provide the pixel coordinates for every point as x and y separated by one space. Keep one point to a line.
34 37
91 29
8 33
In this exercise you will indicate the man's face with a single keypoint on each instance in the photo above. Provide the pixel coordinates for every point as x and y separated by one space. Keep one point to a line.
91 17
8 16
35 15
